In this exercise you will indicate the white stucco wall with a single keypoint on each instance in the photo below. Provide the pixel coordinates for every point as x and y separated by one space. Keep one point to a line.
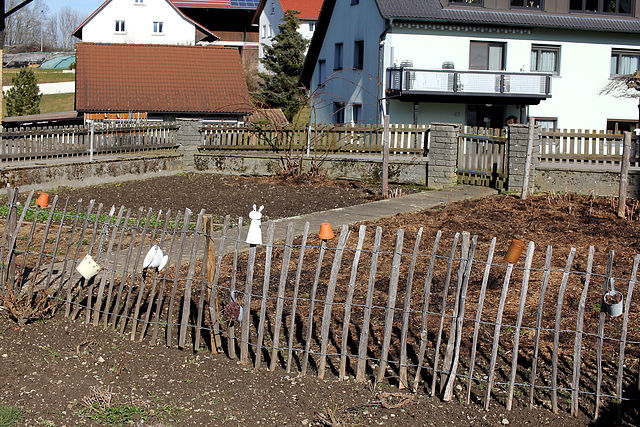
269 23
139 19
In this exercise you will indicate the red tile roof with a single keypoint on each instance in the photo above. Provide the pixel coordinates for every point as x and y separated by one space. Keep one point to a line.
217 4
160 78
309 9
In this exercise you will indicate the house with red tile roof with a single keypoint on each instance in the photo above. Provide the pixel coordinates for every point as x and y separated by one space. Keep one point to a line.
142 22
270 13
164 82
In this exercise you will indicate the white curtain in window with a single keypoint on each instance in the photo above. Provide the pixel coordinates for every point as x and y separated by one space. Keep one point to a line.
547 61
495 58
629 64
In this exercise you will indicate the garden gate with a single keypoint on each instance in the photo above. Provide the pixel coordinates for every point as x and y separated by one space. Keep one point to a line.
482 157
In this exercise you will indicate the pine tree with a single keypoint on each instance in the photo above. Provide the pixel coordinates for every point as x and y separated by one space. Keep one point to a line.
283 61
24 97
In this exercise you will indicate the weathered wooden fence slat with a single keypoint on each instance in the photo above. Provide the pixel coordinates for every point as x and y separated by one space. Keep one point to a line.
605 285
284 272
623 337
231 325
71 285
312 305
296 290
214 303
183 235
265 293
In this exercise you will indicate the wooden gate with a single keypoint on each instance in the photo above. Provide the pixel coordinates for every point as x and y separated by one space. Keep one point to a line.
482 157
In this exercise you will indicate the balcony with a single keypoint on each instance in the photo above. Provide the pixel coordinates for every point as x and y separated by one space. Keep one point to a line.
452 85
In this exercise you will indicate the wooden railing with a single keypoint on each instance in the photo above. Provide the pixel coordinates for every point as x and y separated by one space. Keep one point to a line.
588 149
56 142
344 139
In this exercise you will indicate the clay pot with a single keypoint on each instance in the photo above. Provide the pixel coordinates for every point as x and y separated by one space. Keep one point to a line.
515 249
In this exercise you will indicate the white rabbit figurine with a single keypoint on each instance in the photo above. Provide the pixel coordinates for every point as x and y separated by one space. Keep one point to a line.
254 235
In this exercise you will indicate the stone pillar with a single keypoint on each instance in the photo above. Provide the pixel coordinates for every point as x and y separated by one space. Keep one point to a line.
188 137
517 151
443 155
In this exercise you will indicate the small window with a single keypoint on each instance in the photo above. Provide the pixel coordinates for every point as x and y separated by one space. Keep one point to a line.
119 26
337 56
338 113
353 2
619 126
619 7
322 71
312 26
138 1
546 123
527 4
545 58
158 27
273 7
624 61
264 31
358 55
467 2
356 113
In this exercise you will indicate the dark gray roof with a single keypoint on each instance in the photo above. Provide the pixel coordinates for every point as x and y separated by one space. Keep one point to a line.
431 10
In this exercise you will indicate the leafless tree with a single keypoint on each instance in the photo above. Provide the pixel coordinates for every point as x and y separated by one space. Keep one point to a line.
68 20
23 28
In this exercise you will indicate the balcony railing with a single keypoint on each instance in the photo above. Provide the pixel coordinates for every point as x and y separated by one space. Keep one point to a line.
412 81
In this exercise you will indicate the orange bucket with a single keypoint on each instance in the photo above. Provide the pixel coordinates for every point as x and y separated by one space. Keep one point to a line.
515 249
326 232
43 200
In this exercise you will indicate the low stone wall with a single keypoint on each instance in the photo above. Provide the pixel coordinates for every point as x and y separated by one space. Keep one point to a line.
581 181
366 168
79 172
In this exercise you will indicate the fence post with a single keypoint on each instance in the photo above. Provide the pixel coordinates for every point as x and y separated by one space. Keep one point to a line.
443 155
517 156
624 175
93 128
385 157
188 138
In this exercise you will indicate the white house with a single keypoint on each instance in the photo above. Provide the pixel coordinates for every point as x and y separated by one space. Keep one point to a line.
142 22
474 62
270 13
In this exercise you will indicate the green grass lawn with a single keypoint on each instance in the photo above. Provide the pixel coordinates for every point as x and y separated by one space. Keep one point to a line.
51 103
43 76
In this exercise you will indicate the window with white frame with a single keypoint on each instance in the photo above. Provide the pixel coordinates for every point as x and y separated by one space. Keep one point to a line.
546 123
322 71
337 56
545 58
119 26
624 61
158 27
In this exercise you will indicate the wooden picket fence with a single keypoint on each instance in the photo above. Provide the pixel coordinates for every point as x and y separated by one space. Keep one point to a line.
407 140
482 157
424 313
73 141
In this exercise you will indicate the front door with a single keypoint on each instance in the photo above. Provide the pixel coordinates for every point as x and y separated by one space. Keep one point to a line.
485 116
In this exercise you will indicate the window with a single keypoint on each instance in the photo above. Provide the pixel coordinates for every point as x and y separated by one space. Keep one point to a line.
273 7
545 58
337 56
322 71
119 26
546 123
528 4
338 113
619 126
158 27
356 113
312 26
467 2
358 55
486 56
624 61
264 31
620 7
139 1
355 2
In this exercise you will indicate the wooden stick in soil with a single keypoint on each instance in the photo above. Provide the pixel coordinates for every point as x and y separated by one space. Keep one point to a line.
108 302
163 284
516 334
476 326
70 289
448 390
231 323
98 304
601 334
448 354
63 272
296 289
577 347
152 293
136 312
11 258
556 332
246 312
406 312
329 297
89 304
265 293
128 303
208 265
172 301
496 336
47 228
312 305
213 278
9 227
25 253
349 302
366 321
391 304
426 298
536 340
186 300
623 337
284 271
447 280
624 175
55 250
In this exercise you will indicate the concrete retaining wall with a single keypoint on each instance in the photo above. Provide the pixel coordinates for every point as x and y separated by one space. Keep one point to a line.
599 183
400 171
74 172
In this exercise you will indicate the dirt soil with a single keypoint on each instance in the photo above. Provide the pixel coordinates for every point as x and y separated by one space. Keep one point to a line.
65 373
